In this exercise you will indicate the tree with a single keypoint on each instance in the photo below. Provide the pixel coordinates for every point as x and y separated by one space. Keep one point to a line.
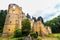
34 18
40 19
28 16
54 24
2 19
18 34
26 27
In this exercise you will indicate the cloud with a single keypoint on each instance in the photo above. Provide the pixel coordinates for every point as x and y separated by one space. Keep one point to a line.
48 9
49 12
57 6
52 15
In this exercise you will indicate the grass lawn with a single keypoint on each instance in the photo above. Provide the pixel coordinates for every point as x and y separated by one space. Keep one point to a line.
8 39
50 37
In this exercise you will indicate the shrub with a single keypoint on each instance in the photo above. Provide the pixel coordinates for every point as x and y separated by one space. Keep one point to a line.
26 27
34 35
17 33
21 38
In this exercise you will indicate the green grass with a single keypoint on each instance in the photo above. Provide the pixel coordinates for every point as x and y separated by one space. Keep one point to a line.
8 39
50 37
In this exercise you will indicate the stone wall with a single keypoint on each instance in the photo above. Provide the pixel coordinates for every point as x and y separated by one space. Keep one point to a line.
41 29
14 19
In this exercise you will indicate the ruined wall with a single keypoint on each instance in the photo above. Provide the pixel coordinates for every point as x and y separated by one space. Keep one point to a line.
41 29
32 23
13 19
48 29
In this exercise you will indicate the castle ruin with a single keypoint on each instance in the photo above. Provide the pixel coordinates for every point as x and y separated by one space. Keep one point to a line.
14 19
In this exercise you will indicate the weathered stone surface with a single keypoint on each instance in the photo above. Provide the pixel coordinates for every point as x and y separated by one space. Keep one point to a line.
13 19
39 28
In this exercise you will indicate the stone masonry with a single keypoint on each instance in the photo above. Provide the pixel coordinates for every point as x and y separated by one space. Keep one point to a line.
14 19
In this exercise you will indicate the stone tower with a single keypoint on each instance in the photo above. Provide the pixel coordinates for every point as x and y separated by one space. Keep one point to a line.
13 19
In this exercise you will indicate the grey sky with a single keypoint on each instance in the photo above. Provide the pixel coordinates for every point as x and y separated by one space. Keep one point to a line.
35 8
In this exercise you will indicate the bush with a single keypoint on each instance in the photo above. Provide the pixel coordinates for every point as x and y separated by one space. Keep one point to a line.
34 35
26 27
21 38
17 33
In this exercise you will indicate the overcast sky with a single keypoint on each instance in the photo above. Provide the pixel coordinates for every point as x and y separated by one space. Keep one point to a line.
48 9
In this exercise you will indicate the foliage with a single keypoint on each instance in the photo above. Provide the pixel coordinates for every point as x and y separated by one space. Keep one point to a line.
39 38
34 19
26 27
54 24
40 19
21 38
28 16
2 19
17 33
33 34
